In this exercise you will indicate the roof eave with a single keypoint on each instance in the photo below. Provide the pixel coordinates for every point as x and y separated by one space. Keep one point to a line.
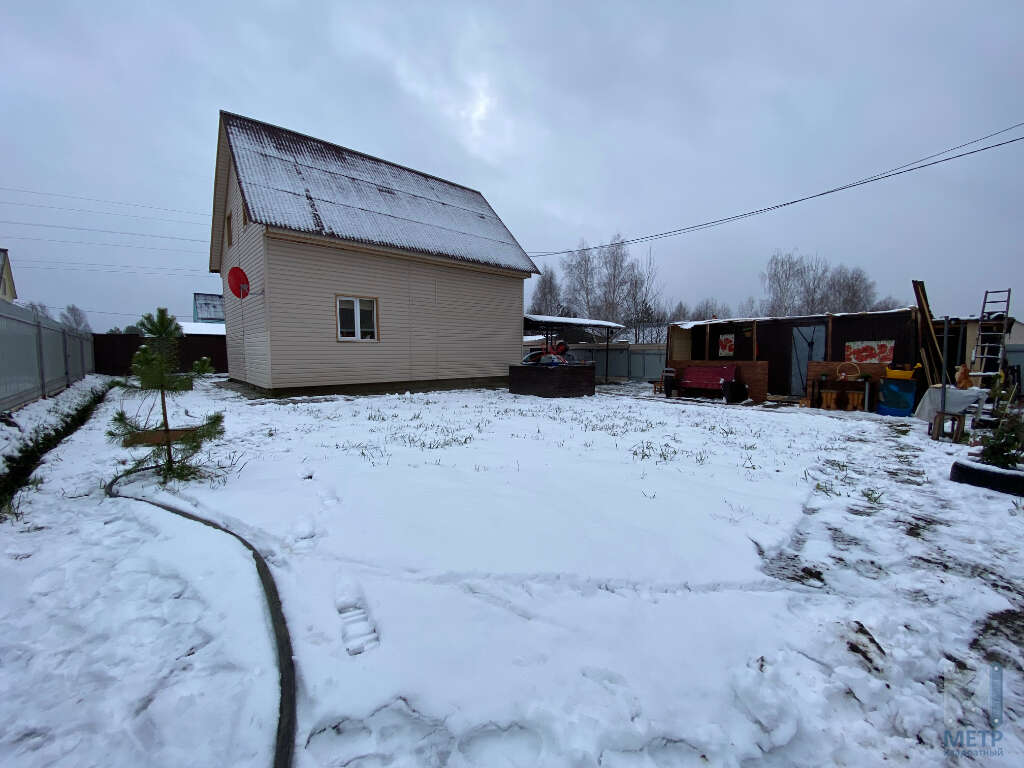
220 195
386 250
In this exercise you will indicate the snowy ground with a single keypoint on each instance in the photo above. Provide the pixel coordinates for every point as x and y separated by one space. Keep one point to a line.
44 415
481 579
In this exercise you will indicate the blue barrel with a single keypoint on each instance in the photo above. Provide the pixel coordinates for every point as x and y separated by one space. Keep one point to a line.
896 397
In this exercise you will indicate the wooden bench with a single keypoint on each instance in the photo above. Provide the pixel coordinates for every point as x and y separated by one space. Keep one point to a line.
702 378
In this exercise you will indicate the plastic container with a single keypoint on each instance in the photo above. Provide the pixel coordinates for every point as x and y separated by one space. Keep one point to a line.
892 373
896 397
885 410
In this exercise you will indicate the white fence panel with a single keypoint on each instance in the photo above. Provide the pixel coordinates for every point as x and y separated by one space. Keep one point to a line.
38 356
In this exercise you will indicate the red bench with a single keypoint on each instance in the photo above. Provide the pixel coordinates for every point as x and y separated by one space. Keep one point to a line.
706 378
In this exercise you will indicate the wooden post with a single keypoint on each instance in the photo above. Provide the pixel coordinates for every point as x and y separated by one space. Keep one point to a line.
67 368
945 373
920 338
828 337
607 353
707 342
753 333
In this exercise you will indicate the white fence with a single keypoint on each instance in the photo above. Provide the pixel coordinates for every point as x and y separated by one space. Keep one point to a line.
38 356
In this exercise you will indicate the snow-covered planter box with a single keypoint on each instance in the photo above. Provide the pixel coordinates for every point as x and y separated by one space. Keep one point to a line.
987 476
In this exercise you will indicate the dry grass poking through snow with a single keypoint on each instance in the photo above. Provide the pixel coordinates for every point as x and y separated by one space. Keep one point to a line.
476 578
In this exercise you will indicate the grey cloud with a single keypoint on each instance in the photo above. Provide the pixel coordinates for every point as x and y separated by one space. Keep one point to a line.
575 120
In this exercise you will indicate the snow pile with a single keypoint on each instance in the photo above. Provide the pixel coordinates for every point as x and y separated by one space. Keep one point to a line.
43 415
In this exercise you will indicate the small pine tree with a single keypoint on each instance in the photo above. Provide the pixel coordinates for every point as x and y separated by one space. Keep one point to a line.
203 367
1005 446
155 365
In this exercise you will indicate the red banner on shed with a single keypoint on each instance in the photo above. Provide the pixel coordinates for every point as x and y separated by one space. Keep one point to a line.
869 351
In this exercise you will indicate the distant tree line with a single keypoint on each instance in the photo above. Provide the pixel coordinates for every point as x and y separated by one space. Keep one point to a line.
608 283
796 284
605 283
71 316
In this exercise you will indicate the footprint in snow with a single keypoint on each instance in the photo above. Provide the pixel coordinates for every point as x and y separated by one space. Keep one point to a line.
513 745
357 627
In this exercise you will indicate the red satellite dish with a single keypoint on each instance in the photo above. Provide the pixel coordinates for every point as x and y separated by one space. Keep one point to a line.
238 282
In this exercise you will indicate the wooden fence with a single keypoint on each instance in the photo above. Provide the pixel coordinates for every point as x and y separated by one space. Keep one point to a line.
113 352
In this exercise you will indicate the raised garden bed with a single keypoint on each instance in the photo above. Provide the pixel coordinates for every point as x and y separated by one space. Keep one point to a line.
986 476
551 380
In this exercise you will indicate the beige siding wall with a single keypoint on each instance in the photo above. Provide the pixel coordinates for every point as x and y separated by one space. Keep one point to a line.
246 320
435 322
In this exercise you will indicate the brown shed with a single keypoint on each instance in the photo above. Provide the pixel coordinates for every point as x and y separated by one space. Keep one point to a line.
776 355
360 271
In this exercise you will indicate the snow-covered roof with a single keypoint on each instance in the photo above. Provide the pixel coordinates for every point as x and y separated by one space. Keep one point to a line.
296 182
582 321
208 307
533 339
202 329
687 324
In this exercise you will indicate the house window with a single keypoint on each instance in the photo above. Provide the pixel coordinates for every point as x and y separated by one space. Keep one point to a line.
357 319
245 217
227 228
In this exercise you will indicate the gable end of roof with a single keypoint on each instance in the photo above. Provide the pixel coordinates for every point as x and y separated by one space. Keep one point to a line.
295 182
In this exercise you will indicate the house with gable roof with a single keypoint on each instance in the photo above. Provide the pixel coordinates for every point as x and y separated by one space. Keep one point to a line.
356 271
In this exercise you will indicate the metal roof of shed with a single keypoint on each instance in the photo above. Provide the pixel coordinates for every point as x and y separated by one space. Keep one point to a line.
688 324
296 182
581 321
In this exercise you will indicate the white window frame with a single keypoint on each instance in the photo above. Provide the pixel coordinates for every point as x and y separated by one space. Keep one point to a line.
338 298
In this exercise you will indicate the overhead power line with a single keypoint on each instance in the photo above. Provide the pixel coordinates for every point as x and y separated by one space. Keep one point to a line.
105 245
101 200
25 264
106 231
126 271
105 213
948 150
104 312
898 171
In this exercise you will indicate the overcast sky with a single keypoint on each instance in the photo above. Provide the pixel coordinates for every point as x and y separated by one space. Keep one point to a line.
574 120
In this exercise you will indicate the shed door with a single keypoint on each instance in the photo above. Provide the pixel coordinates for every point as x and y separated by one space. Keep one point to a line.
808 344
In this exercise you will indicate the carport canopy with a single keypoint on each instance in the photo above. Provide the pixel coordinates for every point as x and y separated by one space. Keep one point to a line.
551 324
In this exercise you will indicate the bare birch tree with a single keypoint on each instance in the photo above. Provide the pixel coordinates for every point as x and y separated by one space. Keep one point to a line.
888 302
796 284
782 278
644 313
547 296
747 308
75 319
580 281
813 296
615 271
681 311
707 309
850 290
